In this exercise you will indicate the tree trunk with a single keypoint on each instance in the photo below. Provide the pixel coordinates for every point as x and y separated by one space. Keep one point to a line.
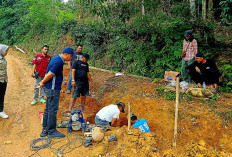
193 8
203 9
143 9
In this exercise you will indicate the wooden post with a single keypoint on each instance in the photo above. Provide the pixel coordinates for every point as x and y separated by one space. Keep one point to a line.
176 110
129 119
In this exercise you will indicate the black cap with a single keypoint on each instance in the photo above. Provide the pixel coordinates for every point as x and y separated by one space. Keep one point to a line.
86 55
199 54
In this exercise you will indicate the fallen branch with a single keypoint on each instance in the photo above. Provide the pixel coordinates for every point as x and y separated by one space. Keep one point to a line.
17 48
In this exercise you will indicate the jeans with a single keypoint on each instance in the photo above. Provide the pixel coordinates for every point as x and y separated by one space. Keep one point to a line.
2 94
70 81
98 121
184 71
36 90
50 112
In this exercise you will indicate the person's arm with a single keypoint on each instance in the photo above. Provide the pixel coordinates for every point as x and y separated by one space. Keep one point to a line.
89 77
45 80
73 77
195 46
33 69
114 122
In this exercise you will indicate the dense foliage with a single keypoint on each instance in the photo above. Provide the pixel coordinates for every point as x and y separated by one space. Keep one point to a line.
116 34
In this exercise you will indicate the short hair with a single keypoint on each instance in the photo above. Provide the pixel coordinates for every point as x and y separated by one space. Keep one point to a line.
79 45
44 46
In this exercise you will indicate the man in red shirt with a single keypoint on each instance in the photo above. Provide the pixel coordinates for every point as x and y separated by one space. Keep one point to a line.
40 64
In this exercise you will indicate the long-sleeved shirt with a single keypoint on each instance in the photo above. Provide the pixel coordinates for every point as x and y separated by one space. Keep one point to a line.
190 48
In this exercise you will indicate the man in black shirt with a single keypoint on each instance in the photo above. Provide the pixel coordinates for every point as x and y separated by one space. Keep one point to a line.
80 80
76 56
203 70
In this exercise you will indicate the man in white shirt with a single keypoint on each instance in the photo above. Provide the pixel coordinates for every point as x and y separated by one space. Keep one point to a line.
110 114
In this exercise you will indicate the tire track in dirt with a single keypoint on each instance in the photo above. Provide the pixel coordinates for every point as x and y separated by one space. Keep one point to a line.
22 125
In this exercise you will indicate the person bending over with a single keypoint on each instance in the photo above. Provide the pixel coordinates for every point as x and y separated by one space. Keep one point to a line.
109 115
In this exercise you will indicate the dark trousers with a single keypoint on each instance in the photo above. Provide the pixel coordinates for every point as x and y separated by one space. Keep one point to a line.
2 94
208 77
50 112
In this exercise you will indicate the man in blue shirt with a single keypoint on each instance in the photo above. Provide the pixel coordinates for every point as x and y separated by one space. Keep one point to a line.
52 85
76 56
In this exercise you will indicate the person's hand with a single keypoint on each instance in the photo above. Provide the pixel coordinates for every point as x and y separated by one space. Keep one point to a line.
73 83
183 54
33 74
198 70
40 85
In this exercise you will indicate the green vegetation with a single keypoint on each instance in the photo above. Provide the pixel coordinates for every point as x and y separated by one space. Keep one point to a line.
117 35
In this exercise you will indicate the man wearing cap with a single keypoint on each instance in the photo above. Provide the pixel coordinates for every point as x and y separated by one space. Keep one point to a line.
76 56
52 86
188 54
80 80
203 70
110 114
40 64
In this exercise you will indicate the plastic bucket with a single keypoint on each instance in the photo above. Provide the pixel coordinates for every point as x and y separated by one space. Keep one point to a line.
142 125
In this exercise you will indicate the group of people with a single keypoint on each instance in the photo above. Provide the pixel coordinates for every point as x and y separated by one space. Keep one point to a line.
48 74
195 67
79 79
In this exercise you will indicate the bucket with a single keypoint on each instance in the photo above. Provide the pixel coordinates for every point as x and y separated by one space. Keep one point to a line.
142 125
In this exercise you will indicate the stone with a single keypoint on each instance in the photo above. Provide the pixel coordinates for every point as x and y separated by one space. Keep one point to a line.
7 142
200 92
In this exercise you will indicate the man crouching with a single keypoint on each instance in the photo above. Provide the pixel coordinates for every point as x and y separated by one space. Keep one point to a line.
110 114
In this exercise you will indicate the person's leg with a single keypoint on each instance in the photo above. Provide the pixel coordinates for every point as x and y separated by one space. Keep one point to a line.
196 77
42 94
84 92
45 115
76 94
183 70
189 80
73 102
70 82
100 122
3 87
36 91
52 111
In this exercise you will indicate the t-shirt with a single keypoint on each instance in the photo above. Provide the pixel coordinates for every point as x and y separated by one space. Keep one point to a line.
56 68
108 113
76 56
82 69
41 63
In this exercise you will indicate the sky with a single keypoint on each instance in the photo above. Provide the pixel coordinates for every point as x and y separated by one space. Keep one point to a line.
65 1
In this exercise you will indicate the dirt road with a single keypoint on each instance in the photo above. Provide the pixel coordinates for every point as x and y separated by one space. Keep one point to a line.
22 125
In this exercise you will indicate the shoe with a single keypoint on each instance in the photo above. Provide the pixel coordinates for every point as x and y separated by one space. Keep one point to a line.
3 115
56 134
42 100
68 92
44 133
34 102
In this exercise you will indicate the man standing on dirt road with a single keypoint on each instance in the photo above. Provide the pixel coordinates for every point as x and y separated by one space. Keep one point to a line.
52 85
40 64
76 56
81 79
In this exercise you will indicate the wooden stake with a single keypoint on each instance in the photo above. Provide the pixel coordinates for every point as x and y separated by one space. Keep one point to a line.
129 119
176 110
17 48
